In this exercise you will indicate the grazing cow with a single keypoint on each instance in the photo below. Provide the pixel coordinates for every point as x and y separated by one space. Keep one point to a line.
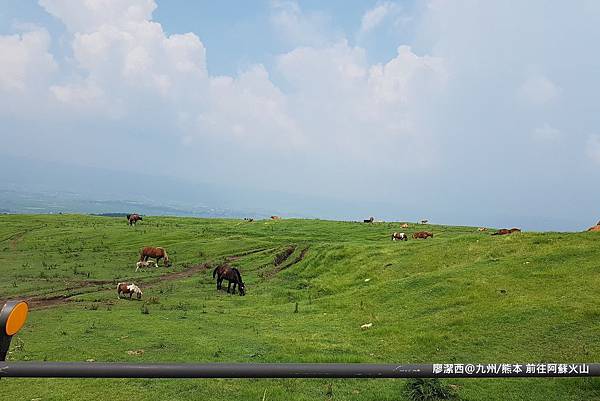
124 288
275 218
232 275
405 225
422 234
424 221
399 237
369 220
133 218
506 231
248 219
156 253
482 229
140 265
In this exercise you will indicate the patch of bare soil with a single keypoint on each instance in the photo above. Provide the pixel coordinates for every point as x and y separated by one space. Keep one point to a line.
279 267
282 256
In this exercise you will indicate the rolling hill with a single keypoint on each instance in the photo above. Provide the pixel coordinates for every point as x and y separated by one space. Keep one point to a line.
463 296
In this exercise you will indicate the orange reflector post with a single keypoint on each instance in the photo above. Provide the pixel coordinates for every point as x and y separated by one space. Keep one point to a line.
16 318
12 318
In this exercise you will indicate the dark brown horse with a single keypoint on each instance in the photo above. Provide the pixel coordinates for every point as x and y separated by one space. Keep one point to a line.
506 231
155 253
369 220
232 275
133 218
422 234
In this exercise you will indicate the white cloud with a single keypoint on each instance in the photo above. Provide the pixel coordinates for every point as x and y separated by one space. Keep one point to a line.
427 115
127 69
251 110
539 91
375 16
546 133
25 61
91 15
363 111
299 28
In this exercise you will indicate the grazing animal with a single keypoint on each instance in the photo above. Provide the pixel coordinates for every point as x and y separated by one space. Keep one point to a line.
482 229
506 231
156 253
424 221
248 219
399 237
422 234
133 218
405 225
369 220
142 264
124 288
232 275
275 218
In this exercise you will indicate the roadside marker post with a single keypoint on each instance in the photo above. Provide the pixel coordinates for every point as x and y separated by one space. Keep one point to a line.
12 318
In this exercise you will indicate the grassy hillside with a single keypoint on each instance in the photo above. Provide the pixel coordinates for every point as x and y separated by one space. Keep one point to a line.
462 296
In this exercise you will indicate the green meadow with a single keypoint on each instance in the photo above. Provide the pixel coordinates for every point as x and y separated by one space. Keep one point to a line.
463 296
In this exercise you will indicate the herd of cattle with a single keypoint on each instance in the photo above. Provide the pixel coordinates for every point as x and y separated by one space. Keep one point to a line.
151 256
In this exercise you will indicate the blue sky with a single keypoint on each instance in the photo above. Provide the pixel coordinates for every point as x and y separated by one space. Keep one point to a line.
465 112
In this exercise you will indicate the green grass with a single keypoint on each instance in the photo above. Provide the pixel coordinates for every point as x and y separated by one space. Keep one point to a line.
462 296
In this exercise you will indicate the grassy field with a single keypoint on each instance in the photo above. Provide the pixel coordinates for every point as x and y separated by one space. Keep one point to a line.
462 296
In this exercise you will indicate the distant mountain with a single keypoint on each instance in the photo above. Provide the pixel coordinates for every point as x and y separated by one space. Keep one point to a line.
31 186
60 202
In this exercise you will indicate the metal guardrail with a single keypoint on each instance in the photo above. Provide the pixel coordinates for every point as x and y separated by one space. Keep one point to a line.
291 370
14 314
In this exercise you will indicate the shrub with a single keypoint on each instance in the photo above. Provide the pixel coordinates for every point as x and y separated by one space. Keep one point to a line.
153 300
429 390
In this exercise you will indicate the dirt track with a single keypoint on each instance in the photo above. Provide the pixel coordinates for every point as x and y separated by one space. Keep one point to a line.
89 286
93 286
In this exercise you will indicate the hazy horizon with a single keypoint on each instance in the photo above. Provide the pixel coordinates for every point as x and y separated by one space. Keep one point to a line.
470 113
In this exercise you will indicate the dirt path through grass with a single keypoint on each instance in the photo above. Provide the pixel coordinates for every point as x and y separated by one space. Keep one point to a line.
37 301
88 286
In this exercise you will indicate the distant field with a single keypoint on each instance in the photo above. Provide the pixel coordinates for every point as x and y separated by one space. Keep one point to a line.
462 296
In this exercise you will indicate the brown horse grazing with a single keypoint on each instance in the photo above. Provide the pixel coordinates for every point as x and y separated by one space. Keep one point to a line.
155 253
422 234
133 218
506 231
232 275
